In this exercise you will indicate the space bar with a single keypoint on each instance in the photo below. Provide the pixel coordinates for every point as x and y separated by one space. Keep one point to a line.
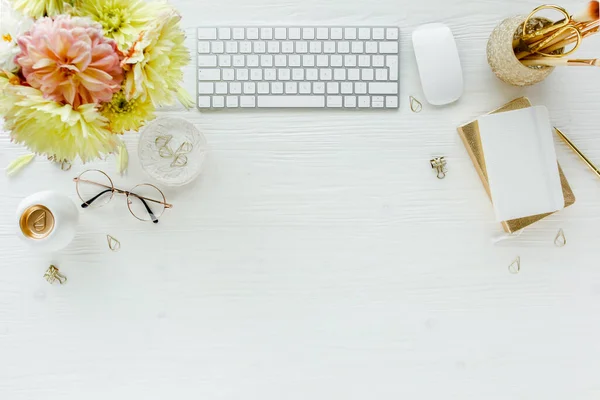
291 101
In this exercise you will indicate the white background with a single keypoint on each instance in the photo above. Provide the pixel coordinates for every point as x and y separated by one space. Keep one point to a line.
318 257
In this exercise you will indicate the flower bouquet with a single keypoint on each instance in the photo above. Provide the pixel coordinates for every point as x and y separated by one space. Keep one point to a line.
76 74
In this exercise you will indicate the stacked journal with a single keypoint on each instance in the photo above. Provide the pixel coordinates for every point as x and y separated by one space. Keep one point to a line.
515 158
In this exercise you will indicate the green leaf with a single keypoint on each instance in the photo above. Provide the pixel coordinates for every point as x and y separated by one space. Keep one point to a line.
122 158
19 164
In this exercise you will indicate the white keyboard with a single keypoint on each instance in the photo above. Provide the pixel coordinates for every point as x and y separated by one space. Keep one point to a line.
298 67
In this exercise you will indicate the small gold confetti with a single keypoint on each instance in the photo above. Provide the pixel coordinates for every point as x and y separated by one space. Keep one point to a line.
113 244
53 275
415 105
515 267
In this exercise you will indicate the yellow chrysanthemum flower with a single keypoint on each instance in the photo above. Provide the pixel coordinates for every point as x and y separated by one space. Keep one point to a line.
39 8
127 115
121 20
154 64
52 129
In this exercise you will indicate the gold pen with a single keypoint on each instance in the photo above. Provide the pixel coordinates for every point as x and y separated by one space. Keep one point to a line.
578 152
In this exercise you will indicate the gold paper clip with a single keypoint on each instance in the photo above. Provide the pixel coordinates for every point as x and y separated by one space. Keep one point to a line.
515 267
53 274
439 164
415 105
113 244
560 240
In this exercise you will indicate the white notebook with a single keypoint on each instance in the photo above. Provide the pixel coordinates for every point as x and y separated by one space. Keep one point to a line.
520 159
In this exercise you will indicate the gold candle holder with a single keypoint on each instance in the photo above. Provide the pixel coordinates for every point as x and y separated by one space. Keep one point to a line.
501 55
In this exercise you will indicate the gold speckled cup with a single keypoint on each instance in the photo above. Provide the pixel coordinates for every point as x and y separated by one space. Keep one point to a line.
502 59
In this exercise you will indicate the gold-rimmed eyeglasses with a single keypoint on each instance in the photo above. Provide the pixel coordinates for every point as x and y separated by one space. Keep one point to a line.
146 202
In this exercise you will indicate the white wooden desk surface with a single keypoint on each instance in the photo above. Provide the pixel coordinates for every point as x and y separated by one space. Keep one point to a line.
318 257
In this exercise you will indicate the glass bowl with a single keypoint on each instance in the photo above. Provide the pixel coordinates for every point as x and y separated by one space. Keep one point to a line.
172 151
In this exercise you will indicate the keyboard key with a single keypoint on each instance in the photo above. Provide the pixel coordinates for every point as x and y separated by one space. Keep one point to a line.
346 88
360 88
339 74
377 102
308 61
350 101
266 33
350 61
207 33
235 88
336 61
294 60
204 101
378 61
228 74
218 102
318 88
343 47
224 33
358 47
381 75
350 33
252 33
364 33
391 102
280 61
301 47
209 74
287 47
204 47
284 74
224 61
231 47
308 33
337 33
205 88
239 61
392 34
207 61
364 61
388 47
260 47
312 74
256 74
249 88
334 101
322 61
277 88
326 74
298 74
322 33
291 87
217 47
371 47
333 88
315 47
383 88
368 74
270 74
247 101
232 101
242 75
304 88
378 33
266 61
291 101
353 74
392 63
328 47
280 33
364 101
294 33
273 47
263 87
238 33
245 47
221 88
252 61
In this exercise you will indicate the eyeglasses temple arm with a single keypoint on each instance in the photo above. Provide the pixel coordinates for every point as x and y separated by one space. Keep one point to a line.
90 201
154 219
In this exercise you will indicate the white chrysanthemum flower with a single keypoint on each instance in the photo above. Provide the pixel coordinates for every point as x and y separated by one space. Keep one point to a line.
12 25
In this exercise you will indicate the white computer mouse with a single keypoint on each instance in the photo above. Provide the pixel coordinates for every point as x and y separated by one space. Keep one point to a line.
439 64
